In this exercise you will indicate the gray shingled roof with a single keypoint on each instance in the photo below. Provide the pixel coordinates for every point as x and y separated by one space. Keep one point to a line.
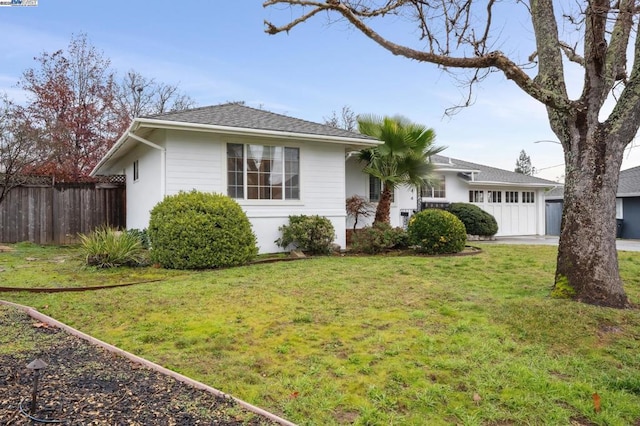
241 116
488 174
628 185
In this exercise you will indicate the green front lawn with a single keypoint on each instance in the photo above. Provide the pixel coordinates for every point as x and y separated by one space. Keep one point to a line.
371 340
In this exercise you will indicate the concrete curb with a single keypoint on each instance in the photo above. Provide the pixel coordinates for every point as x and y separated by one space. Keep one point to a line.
33 313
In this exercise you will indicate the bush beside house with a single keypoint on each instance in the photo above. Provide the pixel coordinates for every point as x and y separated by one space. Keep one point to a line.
434 231
476 221
197 230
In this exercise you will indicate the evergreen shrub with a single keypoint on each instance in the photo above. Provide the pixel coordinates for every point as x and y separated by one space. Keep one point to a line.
197 230
378 238
312 234
476 220
434 231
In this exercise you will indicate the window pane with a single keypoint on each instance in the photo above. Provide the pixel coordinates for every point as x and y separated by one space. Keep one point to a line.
291 172
435 189
374 189
235 172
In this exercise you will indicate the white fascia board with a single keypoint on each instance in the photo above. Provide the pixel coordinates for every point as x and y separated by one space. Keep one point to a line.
454 169
241 131
116 146
521 184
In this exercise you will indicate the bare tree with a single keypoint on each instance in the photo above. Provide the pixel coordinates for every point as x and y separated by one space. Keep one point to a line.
17 146
139 96
347 120
461 34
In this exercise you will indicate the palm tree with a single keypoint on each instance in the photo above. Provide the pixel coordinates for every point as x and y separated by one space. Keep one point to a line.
403 158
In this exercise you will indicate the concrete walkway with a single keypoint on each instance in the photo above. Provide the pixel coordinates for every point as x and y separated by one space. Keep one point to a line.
623 245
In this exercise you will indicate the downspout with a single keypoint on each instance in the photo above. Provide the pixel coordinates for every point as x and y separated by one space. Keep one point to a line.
163 161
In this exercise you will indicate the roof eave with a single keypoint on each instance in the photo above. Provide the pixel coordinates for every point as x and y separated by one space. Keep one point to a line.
243 131
115 148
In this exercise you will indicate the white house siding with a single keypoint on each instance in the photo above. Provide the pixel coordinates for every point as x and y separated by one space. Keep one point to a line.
322 192
144 193
197 160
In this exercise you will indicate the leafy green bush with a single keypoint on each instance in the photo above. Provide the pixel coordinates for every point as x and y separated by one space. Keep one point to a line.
476 220
378 238
313 234
197 230
435 231
107 248
142 235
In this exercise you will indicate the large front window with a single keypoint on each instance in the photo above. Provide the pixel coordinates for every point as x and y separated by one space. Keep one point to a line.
259 172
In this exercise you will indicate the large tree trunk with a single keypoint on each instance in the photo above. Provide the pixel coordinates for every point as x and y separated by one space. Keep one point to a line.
587 267
383 211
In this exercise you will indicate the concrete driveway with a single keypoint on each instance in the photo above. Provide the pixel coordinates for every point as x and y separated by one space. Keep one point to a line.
623 245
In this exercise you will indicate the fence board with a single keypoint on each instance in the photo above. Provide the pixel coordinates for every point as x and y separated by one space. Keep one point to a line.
56 214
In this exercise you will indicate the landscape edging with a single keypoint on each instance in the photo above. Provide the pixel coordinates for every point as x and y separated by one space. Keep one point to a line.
35 314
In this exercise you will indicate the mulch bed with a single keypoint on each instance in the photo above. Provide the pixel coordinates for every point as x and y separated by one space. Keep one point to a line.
86 385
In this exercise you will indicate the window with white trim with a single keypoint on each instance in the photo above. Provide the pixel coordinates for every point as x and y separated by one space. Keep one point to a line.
511 197
262 172
476 196
375 190
494 196
435 189
528 197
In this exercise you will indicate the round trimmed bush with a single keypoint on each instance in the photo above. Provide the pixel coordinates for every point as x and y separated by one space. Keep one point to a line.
435 231
476 220
197 230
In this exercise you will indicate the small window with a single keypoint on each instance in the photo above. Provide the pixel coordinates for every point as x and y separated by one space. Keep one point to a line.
494 196
375 190
476 196
511 197
528 197
136 170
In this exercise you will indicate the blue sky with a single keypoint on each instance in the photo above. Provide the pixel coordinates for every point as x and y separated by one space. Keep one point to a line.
217 51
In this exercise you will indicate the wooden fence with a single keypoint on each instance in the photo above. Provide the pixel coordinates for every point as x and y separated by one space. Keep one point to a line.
56 213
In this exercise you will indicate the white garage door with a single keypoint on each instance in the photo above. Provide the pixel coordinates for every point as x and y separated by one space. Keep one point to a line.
515 211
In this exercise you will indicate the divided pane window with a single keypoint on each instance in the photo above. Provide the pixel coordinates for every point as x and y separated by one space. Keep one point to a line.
259 172
511 196
528 197
494 196
235 170
375 190
435 189
476 196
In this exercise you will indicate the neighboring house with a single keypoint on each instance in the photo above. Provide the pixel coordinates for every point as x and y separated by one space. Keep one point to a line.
514 199
273 165
627 206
